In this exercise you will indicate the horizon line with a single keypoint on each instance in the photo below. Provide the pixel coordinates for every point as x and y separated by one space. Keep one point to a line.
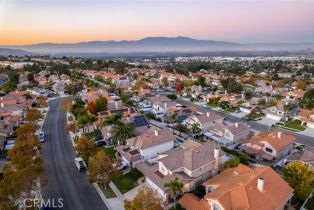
130 40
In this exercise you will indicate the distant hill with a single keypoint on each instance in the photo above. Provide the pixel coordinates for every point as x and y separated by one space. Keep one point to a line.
157 45
15 52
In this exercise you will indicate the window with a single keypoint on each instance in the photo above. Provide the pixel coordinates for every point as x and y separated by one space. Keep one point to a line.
210 188
216 207
269 150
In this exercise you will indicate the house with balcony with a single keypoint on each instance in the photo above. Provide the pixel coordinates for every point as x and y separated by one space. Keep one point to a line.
205 121
150 144
192 163
242 187
278 112
231 133
270 146
306 117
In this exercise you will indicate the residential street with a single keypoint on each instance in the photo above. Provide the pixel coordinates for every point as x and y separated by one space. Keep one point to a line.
63 179
302 139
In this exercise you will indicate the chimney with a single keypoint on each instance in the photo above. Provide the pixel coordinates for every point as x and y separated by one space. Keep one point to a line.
208 113
236 125
279 134
156 132
216 156
2 104
260 184
116 104
216 153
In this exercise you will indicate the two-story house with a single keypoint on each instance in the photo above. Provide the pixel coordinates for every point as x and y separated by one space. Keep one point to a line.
205 121
269 146
232 133
278 112
307 117
151 143
242 187
192 163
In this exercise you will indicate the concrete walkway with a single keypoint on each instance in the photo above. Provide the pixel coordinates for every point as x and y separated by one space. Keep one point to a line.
116 191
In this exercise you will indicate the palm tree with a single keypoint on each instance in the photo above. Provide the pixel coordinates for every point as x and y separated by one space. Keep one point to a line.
174 187
121 132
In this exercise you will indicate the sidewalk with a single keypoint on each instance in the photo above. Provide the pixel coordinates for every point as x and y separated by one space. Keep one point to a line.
111 203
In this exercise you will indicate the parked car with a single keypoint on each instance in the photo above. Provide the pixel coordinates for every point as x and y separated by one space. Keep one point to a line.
80 164
41 136
8 147
123 166
99 141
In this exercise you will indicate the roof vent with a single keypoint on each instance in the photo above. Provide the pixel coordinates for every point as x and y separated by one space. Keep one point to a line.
156 132
279 134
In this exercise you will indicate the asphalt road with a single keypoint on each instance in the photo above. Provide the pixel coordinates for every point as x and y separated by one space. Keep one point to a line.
63 179
302 139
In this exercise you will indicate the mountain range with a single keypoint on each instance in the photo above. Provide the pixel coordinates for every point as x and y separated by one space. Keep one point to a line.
157 45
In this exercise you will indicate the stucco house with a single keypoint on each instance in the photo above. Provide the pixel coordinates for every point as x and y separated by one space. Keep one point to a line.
232 133
151 143
270 146
205 121
242 187
192 163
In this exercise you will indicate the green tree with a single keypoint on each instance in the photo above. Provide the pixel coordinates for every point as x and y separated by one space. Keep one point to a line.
182 128
30 77
244 158
231 163
85 148
248 95
300 177
100 169
174 188
14 77
196 129
101 104
201 81
308 99
120 132
112 119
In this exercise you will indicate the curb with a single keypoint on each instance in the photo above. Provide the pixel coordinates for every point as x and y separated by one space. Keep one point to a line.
102 196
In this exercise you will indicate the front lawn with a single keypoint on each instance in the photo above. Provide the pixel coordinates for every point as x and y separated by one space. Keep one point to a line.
110 152
293 125
213 105
126 182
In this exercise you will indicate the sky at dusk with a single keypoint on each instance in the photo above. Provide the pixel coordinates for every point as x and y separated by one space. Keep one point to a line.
70 21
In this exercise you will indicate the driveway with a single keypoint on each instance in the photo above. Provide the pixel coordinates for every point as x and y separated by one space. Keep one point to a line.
63 180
